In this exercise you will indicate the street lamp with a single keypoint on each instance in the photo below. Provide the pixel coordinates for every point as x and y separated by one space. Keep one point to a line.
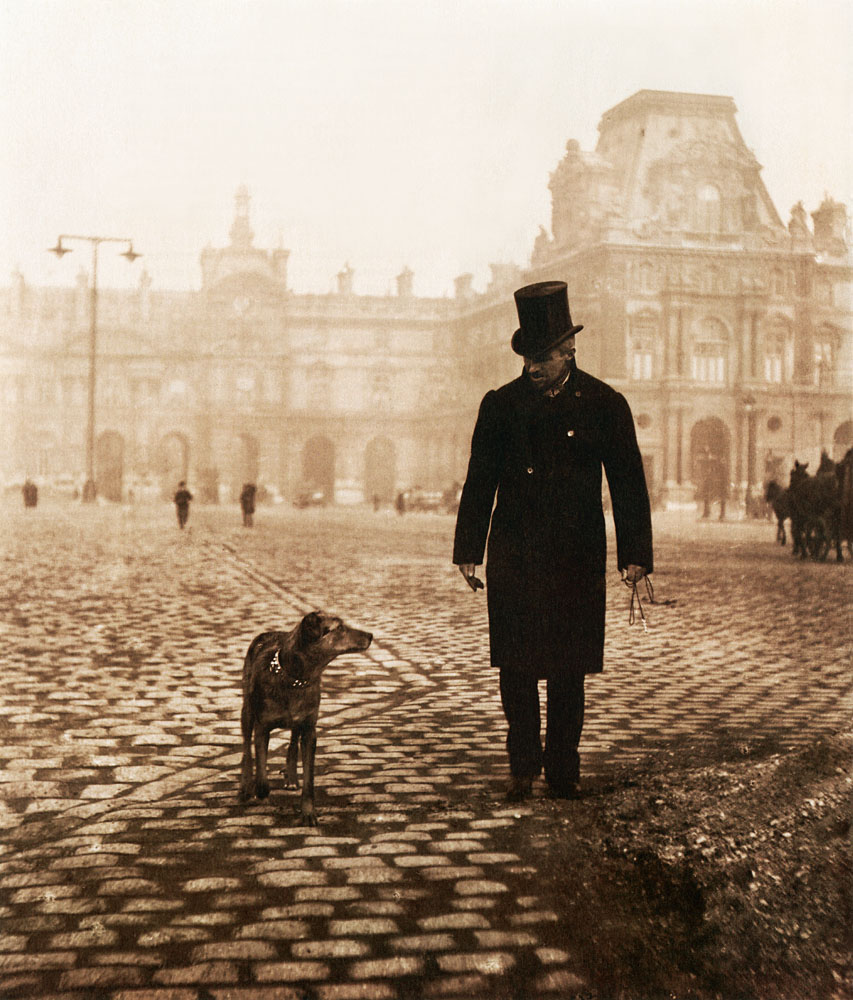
89 489
749 407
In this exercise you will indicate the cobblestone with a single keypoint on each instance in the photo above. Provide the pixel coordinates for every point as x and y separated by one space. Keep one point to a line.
129 871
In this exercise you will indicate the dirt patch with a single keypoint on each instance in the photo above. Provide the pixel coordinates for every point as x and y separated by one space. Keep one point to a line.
719 869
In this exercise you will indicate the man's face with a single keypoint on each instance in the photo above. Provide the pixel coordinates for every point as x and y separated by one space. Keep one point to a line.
549 369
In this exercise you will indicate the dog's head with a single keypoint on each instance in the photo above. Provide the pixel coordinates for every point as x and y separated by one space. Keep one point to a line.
331 634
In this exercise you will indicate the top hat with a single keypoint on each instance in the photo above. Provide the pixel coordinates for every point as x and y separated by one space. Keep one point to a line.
543 316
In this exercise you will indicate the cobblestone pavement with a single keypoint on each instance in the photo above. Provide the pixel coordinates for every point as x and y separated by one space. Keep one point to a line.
128 868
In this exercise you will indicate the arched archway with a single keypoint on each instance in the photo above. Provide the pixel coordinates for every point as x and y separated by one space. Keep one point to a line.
842 439
109 465
318 465
43 455
380 470
710 458
173 462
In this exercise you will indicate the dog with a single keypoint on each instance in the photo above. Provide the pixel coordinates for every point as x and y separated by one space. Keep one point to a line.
281 690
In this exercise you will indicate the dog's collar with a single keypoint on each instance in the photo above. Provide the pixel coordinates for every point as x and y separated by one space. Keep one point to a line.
276 668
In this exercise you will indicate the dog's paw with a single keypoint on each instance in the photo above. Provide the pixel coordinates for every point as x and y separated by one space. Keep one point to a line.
262 789
308 819
291 784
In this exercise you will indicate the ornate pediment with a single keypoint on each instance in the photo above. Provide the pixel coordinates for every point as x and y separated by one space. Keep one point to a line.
705 184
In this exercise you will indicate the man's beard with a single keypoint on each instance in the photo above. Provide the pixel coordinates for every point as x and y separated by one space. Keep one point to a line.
557 382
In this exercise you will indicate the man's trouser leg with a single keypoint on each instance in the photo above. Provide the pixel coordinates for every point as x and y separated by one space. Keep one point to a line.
520 700
564 722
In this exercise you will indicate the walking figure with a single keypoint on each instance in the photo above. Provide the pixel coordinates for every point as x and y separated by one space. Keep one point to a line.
182 503
31 493
540 443
247 503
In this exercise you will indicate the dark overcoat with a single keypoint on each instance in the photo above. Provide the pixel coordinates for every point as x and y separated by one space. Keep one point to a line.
546 544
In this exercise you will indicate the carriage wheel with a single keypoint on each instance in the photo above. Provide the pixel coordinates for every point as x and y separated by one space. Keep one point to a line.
816 539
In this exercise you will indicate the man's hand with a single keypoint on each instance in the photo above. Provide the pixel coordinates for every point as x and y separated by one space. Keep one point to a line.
468 570
633 574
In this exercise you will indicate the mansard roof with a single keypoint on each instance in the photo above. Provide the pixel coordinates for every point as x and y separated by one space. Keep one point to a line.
668 102
668 167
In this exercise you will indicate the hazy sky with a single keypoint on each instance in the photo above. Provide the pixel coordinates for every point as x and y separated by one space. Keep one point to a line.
385 133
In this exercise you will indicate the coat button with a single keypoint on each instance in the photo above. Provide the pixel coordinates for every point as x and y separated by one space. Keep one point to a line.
570 434
530 471
578 392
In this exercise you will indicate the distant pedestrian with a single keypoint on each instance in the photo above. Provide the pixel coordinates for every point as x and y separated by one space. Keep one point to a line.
705 466
247 503
182 503
31 493
400 503
721 484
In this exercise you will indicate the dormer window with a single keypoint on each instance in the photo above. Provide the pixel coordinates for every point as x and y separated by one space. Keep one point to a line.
708 209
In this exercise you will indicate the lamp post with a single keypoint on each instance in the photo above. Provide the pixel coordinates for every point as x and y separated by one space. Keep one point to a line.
89 488
749 407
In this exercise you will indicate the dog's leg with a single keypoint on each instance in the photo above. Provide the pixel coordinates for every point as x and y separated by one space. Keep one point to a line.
247 725
308 740
291 780
262 742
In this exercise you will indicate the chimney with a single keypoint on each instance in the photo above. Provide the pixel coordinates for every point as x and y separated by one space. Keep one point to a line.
462 286
145 296
504 275
405 283
280 258
830 226
345 280
19 292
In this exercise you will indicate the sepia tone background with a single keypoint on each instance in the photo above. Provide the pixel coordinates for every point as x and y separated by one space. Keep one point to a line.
335 201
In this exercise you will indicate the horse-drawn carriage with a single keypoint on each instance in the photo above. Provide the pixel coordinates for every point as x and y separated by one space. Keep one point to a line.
819 507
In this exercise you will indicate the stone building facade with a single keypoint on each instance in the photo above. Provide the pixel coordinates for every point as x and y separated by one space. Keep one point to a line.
244 380
729 332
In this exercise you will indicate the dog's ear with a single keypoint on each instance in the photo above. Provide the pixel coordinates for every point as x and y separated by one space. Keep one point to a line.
311 628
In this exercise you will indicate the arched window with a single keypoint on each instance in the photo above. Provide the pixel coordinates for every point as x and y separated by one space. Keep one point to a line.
778 352
823 291
642 347
646 277
711 280
708 209
272 387
824 357
380 389
710 352
319 379
244 386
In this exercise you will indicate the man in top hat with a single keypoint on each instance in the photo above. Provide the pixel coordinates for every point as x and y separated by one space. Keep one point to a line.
539 443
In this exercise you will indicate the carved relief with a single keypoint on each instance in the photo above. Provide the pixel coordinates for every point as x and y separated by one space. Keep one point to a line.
706 184
581 197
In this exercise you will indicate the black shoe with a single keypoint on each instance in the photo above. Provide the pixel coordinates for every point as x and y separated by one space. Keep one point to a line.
568 790
518 789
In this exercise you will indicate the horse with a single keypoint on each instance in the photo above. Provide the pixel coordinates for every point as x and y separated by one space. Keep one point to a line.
815 499
844 476
780 503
